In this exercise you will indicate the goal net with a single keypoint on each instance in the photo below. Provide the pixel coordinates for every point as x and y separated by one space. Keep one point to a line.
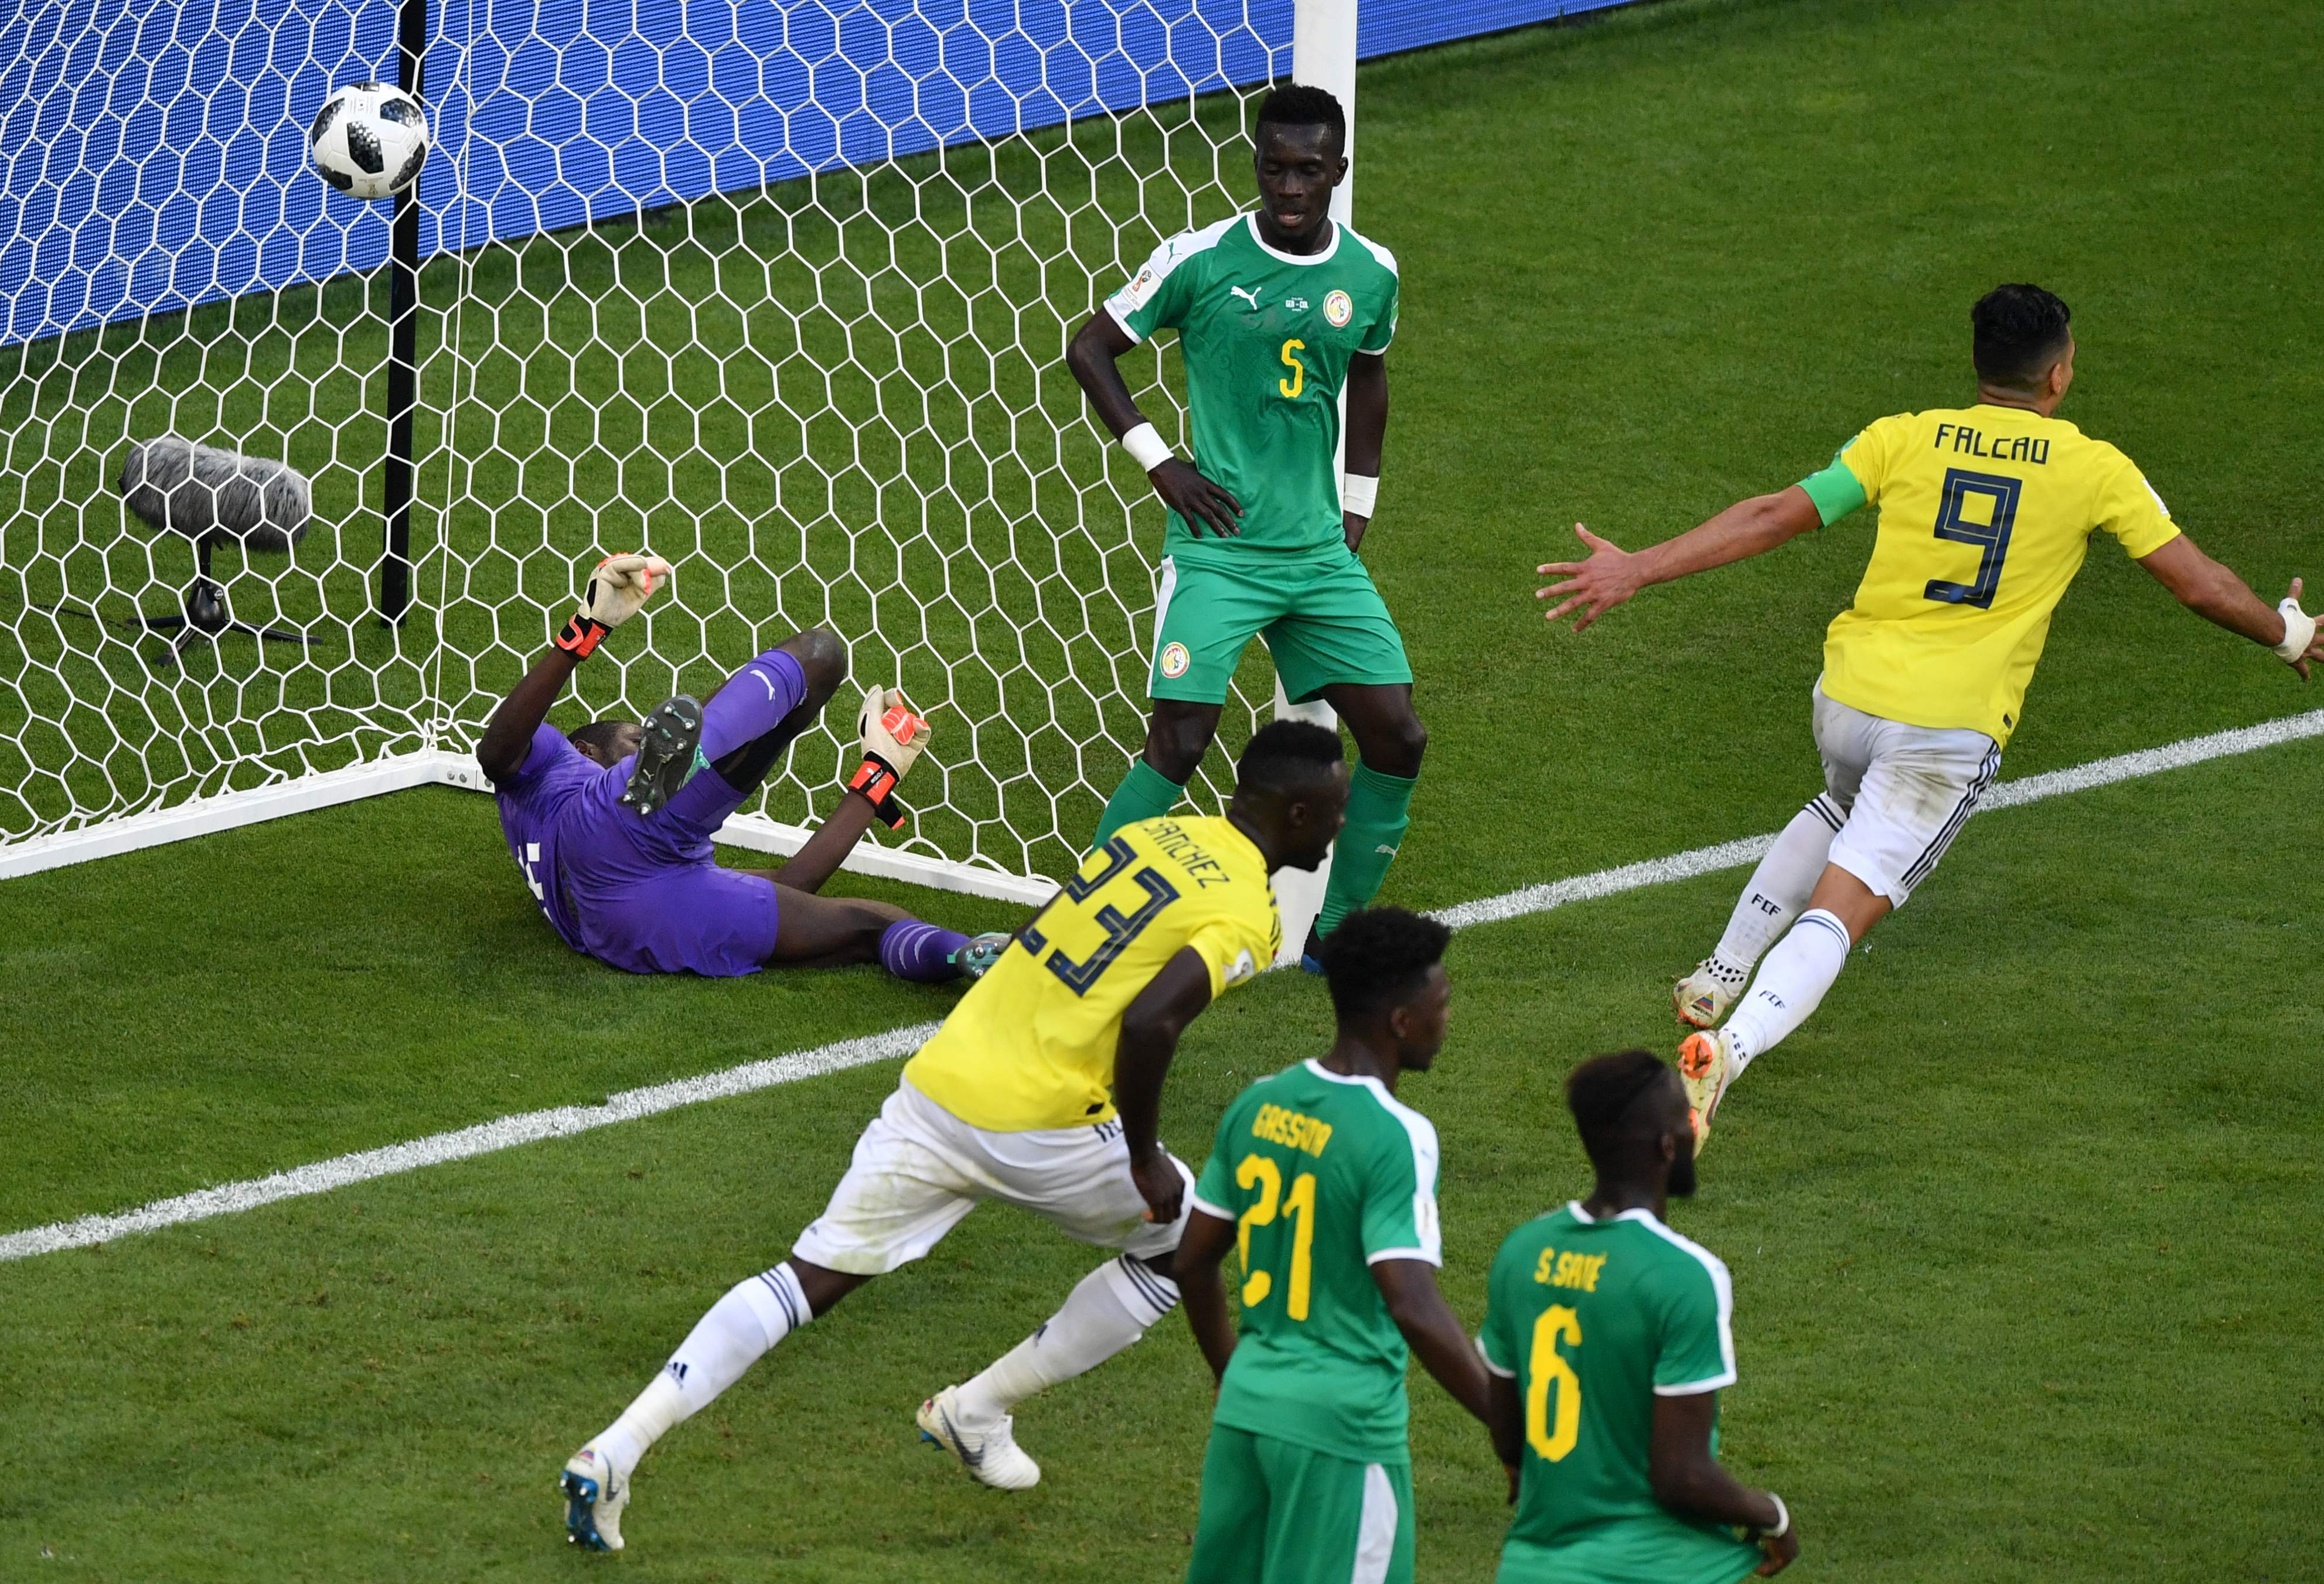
779 289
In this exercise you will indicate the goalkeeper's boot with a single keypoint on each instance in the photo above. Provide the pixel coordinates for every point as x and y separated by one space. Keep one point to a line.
666 755
594 1499
989 1452
1706 1065
1310 955
1702 998
975 960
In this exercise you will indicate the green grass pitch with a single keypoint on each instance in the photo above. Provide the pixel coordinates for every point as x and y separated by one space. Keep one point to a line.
2023 1224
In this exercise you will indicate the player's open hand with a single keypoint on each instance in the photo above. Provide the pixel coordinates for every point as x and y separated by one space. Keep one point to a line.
2314 654
1609 576
1200 502
1160 1186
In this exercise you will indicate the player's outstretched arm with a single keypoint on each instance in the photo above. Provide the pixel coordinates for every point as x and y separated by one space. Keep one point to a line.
1612 574
2217 594
894 737
1150 1029
617 587
1367 436
1094 357
1203 1291
1692 1483
1434 1333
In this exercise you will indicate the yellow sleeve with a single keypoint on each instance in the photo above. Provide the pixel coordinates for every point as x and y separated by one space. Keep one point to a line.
1236 946
2129 508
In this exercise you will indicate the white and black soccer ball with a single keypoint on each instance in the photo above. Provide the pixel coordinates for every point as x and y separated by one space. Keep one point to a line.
369 140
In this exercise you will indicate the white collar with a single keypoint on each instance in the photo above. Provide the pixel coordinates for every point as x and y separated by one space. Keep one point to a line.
1641 1213
1322 256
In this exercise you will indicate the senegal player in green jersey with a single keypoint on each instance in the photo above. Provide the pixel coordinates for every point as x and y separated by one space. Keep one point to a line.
1609 1336
1327 1186
1277 311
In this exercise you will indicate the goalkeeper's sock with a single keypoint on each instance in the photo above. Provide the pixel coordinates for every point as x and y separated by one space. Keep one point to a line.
1146 793
1379 808
1780 887
1791 985
741 1327
1111 1309
921 952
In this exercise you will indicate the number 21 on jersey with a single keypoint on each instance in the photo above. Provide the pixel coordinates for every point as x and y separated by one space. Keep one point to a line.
1256 1171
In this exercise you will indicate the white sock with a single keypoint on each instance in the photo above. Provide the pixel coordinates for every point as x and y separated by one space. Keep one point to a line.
1780 887
1797 972
740 1328
1109 1309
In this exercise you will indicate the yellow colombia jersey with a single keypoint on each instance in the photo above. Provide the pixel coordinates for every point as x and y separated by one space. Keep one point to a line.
1032 1045
1986 513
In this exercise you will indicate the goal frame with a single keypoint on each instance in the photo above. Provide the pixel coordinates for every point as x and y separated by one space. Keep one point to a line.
1324 53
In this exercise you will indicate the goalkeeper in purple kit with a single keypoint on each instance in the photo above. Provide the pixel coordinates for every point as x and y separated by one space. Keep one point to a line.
611 824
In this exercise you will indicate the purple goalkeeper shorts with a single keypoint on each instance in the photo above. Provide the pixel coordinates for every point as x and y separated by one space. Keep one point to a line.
648 894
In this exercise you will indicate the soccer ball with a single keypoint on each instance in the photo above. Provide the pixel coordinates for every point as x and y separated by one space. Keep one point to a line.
369 140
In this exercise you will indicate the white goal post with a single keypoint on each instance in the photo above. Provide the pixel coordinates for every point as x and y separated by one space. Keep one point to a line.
783 292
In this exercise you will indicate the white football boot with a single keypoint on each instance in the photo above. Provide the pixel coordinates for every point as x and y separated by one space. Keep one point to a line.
1706 1065
593 1500
989 1452
1702 998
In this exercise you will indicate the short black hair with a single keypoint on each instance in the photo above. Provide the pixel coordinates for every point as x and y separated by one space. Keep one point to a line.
2017 332
1377 958
1604 1091
1297 104
1285 756
596 734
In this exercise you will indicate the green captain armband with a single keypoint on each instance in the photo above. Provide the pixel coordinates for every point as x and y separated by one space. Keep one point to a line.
1835 491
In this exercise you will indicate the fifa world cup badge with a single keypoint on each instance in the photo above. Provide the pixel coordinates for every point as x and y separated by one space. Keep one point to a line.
1338 309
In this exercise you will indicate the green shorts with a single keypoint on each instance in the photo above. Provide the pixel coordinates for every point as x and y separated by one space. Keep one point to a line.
1323 620
1277 1514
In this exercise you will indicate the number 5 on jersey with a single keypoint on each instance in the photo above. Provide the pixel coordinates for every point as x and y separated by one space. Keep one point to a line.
1298 381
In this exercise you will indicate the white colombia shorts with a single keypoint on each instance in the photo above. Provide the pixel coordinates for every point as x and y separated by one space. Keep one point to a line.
1895 795
919 1170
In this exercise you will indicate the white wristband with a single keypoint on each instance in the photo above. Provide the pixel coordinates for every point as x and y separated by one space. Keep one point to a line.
1783 1519
1360 494
2299 632
1147 447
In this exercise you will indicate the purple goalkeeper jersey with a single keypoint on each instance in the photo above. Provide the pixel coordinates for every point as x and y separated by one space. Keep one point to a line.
645 892
532 803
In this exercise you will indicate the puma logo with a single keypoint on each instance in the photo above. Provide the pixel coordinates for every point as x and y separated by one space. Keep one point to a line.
1251 296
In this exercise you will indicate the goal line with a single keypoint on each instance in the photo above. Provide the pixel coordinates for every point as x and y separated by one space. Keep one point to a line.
630 1105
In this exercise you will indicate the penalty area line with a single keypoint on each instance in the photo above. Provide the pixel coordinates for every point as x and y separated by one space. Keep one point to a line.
564 1121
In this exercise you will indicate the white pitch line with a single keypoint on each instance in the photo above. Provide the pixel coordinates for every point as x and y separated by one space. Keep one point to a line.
1700 861
485 1139
528 1126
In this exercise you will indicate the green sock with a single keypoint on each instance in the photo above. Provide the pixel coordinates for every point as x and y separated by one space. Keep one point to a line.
1379 808
1146 793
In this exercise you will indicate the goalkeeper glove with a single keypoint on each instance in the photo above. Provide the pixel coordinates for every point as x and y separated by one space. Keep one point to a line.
894 737
616 591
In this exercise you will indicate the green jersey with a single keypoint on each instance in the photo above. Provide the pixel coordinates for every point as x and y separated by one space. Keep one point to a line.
1596 1319
1266 337
1322 1176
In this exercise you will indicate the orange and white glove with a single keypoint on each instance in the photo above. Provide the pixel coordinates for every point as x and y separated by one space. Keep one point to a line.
617 588
894 734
